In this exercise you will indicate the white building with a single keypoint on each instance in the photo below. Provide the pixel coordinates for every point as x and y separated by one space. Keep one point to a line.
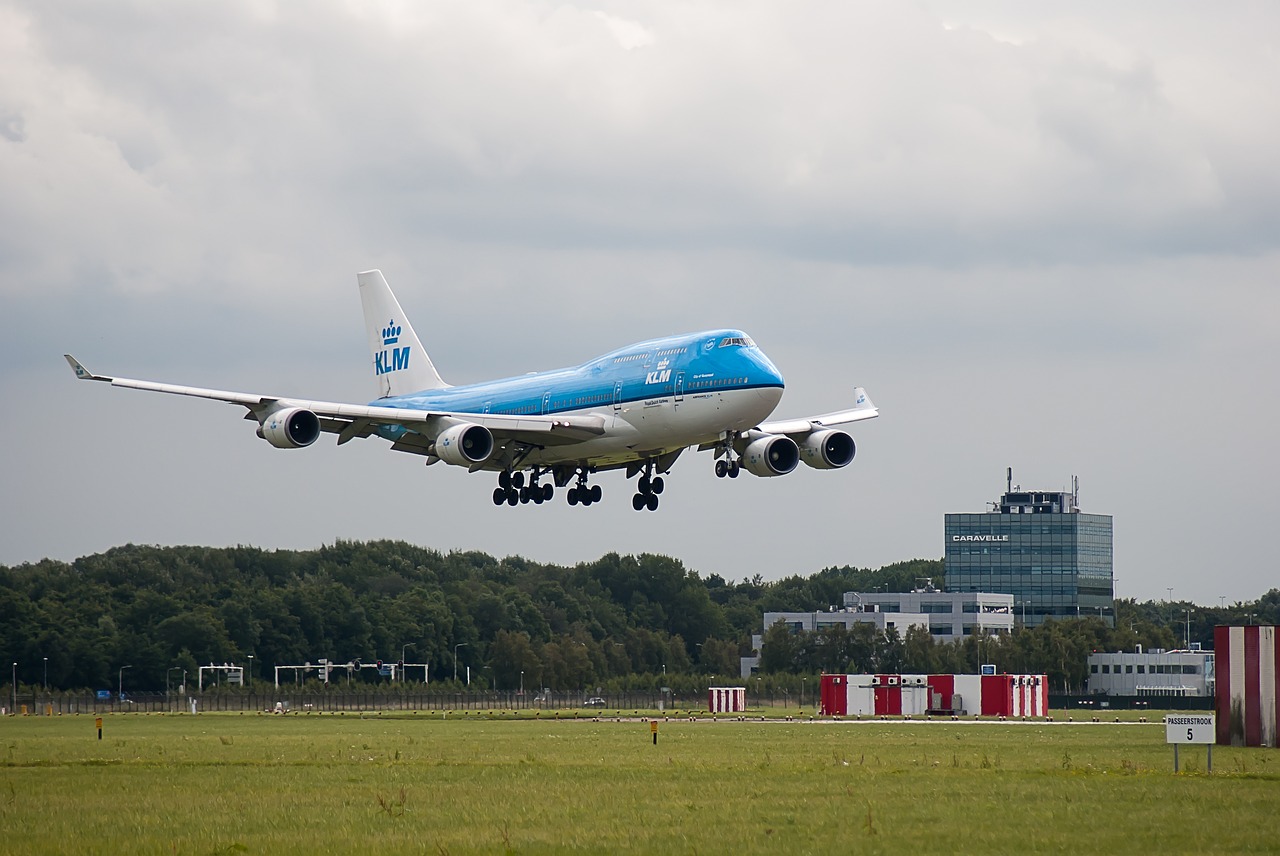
951 615
1154 673
809 622
948 616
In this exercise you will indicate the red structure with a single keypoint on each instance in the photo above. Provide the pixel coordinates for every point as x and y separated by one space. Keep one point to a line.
726 699
1247 688
896 695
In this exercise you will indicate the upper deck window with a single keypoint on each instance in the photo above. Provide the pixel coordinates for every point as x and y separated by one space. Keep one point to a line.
739 341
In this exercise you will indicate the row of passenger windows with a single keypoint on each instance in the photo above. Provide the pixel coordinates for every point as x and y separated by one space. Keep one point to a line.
630 358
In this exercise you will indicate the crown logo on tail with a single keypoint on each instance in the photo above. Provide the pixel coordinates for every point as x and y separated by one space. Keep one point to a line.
390 333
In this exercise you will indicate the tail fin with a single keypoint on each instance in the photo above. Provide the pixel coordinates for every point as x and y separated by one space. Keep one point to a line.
400 365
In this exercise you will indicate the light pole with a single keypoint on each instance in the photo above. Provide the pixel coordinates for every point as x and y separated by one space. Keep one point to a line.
250 670
522 682
1023 604
402 668
167 673
455 659
46 674
1186 638
120 686
14 689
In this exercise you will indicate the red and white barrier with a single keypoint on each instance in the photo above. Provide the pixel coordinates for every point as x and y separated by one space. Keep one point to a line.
1247 691
889 695
726 699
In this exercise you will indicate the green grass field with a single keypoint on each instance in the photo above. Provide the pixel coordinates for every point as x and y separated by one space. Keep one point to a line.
227 783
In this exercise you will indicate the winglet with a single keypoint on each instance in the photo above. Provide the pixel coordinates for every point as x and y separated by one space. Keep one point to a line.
862 401
81 372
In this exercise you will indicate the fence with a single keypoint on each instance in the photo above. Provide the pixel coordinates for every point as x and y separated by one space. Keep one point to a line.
41 703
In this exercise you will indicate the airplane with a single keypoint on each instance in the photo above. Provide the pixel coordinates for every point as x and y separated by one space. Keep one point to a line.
637 408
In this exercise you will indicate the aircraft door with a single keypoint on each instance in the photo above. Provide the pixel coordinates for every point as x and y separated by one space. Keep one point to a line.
546 403
679 387
617 396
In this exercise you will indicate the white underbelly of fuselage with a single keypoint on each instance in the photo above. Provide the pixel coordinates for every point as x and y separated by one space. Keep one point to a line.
664 423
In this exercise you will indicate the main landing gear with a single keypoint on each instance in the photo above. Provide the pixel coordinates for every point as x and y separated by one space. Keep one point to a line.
582 493
511 489
647 491
727 468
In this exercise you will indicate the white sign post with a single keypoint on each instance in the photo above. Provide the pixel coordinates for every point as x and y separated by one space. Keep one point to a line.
1182 728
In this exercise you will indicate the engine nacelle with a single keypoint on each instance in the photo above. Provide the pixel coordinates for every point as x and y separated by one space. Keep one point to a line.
464 445
290 429
827 450
771 455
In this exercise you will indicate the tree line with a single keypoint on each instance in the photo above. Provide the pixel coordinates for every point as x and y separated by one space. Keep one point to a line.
621 621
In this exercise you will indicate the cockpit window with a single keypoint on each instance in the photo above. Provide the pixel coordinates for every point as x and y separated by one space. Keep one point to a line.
737 341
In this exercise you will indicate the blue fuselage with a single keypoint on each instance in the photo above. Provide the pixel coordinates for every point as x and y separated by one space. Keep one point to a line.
665 393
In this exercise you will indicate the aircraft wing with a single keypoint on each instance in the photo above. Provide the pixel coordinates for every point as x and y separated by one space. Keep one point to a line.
863 408
350 421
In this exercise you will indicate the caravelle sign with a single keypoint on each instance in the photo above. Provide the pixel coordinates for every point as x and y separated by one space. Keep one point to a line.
999 538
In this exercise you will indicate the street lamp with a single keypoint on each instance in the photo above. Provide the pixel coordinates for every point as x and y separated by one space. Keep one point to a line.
14 688
46 674
251 670
120 686
455 659
522 682
402 668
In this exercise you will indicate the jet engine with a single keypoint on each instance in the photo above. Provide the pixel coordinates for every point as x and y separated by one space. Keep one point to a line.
771 455
290 429
464 445
827 450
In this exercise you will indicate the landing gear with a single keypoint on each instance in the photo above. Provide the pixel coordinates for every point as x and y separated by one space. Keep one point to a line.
583 493
727 465
511 489
727 468
647 490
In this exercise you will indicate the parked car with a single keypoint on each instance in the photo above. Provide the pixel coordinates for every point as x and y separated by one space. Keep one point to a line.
594 701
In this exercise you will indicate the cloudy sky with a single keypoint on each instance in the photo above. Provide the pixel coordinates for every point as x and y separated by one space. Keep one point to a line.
1041 240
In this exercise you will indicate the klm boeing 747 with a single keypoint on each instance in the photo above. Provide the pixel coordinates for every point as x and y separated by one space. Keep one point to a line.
636 409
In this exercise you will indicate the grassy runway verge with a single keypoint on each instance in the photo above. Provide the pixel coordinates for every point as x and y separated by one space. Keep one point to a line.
412 783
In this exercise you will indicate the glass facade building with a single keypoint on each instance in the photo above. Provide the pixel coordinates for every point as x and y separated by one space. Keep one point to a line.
1038 547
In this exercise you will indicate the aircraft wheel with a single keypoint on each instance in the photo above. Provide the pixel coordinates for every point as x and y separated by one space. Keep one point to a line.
734 469
573 496
643 485
517 480
535 494
652 501
657 485
596 493
722 469
499 496
638 502
513 496
504 480
548 491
